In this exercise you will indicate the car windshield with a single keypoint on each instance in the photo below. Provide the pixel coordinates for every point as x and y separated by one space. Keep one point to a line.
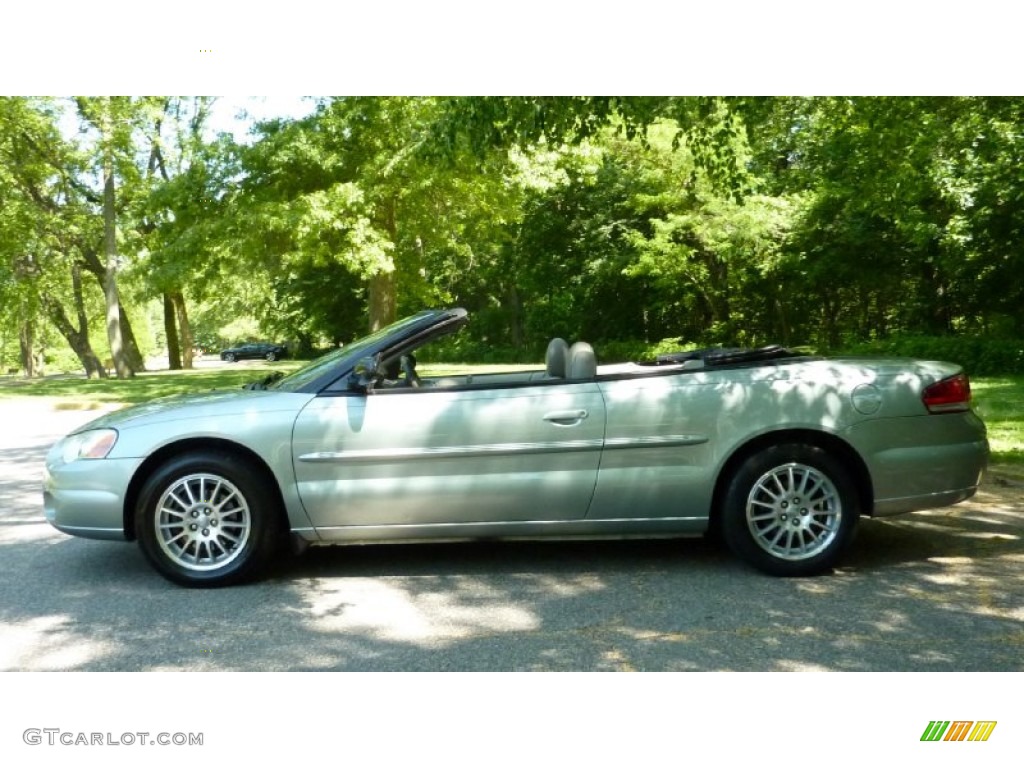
340 357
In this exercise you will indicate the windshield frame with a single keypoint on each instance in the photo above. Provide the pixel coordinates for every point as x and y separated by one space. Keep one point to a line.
329 368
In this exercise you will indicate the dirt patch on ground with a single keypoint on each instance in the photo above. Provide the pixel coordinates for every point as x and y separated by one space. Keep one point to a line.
1003 484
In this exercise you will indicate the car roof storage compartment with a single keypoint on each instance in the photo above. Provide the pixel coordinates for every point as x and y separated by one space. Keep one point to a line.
717 356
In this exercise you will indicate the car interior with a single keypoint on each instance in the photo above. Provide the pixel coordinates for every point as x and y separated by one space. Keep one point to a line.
562 363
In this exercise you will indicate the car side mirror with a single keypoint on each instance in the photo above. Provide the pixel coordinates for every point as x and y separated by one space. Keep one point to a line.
364 374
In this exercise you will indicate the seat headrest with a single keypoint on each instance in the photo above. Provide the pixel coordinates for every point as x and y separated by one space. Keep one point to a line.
556 359
582 361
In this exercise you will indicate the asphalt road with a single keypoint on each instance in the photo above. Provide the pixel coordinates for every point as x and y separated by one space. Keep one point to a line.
936 591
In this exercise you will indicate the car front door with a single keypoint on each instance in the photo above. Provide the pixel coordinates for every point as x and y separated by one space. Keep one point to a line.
446 456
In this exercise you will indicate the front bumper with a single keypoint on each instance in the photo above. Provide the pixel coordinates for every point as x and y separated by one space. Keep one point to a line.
87 497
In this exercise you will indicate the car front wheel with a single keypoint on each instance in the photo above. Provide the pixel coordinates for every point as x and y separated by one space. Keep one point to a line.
207 520
271 356
790 510
229 357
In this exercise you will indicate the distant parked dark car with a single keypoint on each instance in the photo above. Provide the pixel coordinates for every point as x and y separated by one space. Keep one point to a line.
260 350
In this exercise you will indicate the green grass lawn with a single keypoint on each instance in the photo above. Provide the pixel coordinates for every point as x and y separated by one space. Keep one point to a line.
1000 403
998 400
76 392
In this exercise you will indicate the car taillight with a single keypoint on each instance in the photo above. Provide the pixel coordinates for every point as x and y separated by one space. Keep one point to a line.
949 395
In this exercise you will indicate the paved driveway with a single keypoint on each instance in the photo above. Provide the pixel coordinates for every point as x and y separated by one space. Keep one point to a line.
937 591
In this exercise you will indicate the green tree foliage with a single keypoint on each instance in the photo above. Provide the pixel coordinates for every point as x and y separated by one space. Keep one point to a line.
346 213
900 232
46 234
180 218
630 222
112 153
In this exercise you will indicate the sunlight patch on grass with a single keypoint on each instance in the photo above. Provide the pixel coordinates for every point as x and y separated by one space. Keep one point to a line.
999 401
81 405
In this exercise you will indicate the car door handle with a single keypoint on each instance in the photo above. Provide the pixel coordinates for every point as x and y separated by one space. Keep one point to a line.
566 418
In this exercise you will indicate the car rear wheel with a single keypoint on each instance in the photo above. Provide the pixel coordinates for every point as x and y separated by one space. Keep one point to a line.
207 520
790 510
271 356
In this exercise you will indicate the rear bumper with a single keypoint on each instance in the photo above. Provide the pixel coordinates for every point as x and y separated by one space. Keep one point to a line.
886 507
921 462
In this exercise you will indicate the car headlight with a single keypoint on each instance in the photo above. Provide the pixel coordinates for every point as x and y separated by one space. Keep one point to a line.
94 444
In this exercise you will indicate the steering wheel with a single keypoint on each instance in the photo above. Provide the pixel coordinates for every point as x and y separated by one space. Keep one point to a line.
412 379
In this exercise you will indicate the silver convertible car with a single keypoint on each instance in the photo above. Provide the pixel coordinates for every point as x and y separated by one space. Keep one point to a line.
776 453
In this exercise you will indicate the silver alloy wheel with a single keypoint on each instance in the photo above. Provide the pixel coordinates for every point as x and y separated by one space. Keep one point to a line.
793 511
202 522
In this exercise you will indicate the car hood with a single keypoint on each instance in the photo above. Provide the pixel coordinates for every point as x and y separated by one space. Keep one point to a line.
219 403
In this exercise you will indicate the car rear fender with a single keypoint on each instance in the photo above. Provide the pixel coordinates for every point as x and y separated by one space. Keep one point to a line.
827 441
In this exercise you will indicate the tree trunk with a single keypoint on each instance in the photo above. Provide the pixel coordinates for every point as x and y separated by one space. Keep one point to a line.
514 304
77 338
110 294
718 295
171 332
383 308
783 321
184 329
131 347
27 343
382 291
92 263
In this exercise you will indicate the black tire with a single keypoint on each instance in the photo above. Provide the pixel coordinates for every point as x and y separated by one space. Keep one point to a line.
230 526
790 510
229 357
271 356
